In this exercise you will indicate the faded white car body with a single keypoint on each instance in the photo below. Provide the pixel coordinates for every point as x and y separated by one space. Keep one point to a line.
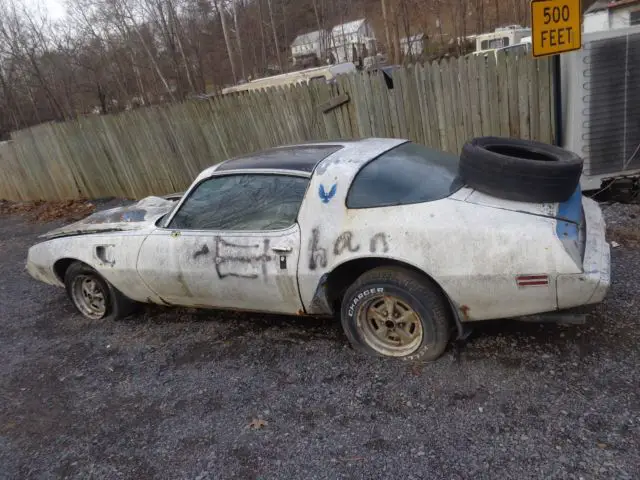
493 258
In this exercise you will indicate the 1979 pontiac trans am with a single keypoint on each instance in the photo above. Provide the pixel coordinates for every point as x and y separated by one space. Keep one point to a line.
381 232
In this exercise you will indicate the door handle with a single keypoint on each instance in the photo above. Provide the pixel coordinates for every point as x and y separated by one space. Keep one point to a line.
282 249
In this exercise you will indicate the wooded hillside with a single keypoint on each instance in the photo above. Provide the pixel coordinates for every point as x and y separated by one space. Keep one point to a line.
108 55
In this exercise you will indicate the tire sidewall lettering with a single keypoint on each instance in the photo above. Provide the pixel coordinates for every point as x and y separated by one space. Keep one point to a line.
357 299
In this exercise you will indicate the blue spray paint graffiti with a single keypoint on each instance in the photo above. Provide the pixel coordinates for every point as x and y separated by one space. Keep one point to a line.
324 196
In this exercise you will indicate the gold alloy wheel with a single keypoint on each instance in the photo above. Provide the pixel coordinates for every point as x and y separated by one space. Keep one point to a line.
390 326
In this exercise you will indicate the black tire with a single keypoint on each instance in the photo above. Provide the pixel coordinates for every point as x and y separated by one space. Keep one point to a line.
117 306
521 170
417 292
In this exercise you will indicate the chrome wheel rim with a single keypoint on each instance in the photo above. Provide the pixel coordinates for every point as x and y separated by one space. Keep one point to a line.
390 326
89 296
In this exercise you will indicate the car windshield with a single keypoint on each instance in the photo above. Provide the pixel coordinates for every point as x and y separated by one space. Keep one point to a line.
407 174
163 219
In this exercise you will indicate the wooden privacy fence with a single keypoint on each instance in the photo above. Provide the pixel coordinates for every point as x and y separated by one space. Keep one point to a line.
159 150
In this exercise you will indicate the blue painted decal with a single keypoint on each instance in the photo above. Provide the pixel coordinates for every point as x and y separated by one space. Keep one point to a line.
324 196
133 216
570 216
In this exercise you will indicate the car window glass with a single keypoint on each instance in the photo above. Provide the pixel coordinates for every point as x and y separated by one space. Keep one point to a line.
242 202
406 174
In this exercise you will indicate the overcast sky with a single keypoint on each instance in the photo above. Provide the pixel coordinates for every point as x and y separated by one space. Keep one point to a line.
54 7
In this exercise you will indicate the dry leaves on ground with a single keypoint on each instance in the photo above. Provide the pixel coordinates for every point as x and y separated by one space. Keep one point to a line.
628 236
257 423
40 211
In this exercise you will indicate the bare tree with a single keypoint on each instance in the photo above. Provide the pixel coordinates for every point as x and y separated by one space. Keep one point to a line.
227 42
275 36
111 55
238 37
385 19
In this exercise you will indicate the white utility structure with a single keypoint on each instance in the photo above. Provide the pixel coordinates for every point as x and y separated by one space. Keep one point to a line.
502 37
326 73
600 98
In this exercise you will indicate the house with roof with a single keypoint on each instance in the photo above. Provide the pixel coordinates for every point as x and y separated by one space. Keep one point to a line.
413 46
309 46
352 41
610 15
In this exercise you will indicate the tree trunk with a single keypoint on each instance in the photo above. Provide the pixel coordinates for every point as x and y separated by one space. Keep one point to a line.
136 69
223 21
262 37
178 32
322 36
275 36
147 51
387 35
396 34
238 39
102 98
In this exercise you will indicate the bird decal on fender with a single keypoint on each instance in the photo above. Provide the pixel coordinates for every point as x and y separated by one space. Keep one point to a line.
326 196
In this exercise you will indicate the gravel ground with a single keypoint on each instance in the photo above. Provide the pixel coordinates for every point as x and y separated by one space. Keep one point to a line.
171 393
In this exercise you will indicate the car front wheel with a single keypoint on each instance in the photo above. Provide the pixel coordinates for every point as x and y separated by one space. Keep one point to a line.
395 312
92 296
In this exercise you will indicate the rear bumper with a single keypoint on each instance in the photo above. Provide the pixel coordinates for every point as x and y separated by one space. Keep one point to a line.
590 286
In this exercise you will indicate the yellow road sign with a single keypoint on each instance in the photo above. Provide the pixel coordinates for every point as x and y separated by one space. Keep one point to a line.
556 26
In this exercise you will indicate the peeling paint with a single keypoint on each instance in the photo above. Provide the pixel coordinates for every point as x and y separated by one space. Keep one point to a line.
134 217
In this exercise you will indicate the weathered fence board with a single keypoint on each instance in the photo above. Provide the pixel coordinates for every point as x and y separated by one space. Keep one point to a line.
160 149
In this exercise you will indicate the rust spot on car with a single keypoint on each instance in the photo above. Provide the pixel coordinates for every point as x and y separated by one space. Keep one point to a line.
300 312
465 312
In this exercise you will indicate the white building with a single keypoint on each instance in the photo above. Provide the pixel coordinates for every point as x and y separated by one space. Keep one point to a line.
413 46
610 15
309 45
352 41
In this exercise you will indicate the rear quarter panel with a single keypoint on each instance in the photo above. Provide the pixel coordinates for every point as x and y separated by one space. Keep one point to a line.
473 252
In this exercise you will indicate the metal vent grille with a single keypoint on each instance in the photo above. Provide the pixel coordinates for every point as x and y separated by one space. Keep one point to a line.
611 115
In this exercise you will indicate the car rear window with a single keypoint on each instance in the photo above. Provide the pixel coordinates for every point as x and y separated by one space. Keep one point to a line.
407 174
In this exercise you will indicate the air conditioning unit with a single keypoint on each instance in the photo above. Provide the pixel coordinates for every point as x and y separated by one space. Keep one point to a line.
600 99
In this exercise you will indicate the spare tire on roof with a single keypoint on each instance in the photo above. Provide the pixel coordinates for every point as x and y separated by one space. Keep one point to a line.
521 170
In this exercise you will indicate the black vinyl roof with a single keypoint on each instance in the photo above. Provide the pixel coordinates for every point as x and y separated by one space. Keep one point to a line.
303 158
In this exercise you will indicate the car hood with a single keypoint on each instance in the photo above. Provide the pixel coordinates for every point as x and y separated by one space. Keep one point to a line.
138 216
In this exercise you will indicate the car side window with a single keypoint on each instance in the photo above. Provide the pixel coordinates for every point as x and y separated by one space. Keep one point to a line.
242 202
406 174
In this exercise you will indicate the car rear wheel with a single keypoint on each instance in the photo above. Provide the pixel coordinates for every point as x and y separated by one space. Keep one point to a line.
92 296
394 312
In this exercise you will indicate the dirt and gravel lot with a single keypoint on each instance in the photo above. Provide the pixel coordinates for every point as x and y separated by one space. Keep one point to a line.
172 393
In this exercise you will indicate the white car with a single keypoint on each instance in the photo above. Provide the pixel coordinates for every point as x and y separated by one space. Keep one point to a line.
382 232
